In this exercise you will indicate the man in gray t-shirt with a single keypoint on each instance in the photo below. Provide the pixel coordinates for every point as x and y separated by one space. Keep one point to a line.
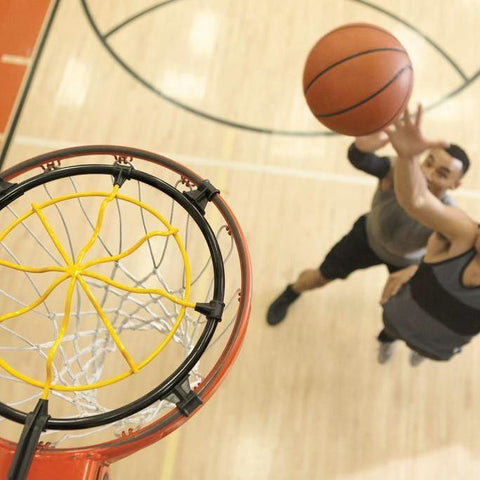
386 235
435 308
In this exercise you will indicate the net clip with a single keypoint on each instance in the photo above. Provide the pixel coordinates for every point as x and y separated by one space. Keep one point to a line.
212 310
4 186
122 172
202 195
186 400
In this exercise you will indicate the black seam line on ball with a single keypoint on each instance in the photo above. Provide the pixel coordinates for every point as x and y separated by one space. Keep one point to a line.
385 124
346 59
365 100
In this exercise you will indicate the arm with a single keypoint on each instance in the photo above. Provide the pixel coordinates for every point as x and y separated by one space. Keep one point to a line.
396 281
415 198
361 155
411 186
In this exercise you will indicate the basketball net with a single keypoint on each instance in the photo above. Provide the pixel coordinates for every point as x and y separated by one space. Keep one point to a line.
109 316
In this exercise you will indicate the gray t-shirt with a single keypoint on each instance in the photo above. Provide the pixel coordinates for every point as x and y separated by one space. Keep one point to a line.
392 234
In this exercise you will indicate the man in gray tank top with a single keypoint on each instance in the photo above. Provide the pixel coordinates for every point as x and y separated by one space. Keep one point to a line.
385 235
435 308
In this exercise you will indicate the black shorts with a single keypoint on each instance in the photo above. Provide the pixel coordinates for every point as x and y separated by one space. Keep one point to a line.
352 253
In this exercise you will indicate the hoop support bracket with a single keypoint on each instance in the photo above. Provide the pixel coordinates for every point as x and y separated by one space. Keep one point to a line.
202 195
212 310
186 400
34 425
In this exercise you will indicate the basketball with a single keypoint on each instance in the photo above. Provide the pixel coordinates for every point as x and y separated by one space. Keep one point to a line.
357 79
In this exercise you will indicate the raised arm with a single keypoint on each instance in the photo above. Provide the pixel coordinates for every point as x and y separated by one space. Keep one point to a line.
361 155
411 185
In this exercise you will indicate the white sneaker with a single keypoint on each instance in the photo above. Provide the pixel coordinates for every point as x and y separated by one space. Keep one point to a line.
385 352
416 359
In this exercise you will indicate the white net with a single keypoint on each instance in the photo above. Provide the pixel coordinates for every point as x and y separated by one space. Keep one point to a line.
97 283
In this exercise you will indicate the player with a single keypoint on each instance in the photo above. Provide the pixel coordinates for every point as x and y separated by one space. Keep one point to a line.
385 235
437 308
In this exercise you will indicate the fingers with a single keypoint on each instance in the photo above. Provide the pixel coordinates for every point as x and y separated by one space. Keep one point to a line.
385 297
418 115
387 291
392 287
391 129
396 288
385 141
406 117
402 120
437 144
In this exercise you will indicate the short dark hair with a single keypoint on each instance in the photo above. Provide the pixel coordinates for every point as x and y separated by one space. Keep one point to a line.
459 153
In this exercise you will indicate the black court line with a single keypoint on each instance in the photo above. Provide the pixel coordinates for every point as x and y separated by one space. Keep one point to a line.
172 100
28 83
177 103
214 118
418 32
137 16
454 92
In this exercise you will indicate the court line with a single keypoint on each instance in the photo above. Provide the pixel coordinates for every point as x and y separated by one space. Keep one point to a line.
138 76
180 104
42 38
171 444
136 17
276 170
300 173
16 60
420 33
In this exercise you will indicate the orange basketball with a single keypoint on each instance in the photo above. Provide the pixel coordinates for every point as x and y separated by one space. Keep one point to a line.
357 79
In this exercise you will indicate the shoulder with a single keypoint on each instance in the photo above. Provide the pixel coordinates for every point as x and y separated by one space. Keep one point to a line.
441 246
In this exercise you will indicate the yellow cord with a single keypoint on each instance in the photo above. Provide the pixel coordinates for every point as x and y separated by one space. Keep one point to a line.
76 271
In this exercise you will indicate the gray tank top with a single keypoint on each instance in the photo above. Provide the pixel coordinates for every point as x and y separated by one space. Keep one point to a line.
435 313
392 234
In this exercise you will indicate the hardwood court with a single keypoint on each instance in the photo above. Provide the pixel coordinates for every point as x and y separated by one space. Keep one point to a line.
217 86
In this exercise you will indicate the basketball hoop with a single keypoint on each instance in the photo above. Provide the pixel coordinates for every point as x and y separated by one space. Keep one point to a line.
125 295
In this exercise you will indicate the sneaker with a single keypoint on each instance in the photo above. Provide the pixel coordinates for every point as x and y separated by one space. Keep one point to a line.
278 309
385 352
416 359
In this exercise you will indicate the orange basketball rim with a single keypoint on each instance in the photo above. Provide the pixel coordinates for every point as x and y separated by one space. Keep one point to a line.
125 296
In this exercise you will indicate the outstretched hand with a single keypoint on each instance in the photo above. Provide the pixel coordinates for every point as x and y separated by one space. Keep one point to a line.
406 137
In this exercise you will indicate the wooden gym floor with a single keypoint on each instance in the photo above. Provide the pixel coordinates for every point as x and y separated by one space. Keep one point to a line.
217 85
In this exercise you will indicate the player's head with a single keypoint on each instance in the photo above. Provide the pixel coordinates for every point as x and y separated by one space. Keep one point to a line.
444 168
459 154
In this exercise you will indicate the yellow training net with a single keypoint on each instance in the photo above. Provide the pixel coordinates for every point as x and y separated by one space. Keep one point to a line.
75 272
